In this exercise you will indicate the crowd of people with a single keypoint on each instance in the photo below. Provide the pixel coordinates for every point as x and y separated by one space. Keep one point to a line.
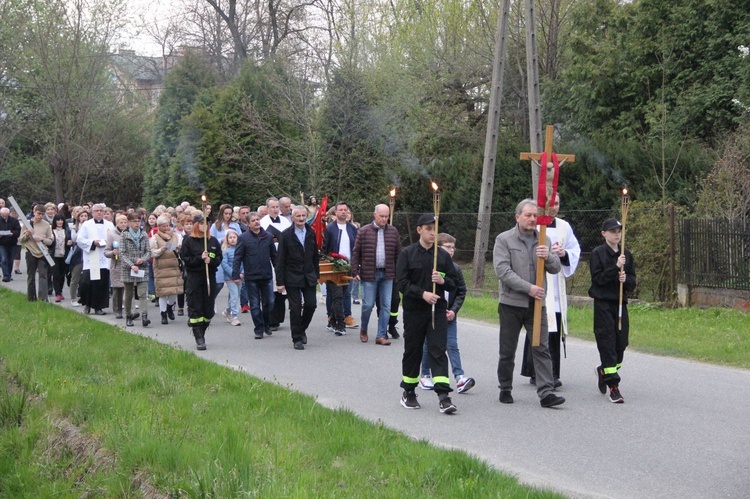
181 257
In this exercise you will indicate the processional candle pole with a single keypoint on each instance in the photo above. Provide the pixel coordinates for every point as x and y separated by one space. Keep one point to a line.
624 209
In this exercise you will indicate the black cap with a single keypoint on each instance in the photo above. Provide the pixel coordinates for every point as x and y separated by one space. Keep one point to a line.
610 224
197 218
426 219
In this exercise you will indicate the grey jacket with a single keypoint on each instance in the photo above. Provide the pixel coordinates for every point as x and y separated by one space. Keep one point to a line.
510 257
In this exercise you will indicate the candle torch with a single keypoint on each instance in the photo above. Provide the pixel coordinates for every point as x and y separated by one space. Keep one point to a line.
392 202
205 241
624 209
436 209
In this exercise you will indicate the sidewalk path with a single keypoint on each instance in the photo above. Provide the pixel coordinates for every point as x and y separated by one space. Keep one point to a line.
682 431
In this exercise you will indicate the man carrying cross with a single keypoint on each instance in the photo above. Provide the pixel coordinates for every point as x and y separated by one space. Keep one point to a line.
515 258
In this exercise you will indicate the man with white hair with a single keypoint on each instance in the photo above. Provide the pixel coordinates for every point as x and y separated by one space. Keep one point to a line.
10 230
285 207
92 238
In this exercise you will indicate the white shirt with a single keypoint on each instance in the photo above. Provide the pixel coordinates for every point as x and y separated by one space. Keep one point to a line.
89 232
345 247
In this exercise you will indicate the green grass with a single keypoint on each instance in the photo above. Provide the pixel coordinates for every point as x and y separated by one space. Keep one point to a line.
87 410
718 336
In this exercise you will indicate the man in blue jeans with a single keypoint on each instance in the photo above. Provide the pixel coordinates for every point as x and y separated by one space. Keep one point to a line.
374 256
455 302
256 253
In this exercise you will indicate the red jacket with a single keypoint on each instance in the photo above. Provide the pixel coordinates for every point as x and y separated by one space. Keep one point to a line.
365 246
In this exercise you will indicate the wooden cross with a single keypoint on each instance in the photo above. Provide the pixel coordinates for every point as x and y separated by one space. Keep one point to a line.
545 205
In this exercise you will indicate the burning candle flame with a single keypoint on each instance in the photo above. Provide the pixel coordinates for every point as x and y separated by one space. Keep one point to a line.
392 192
625 191
203 198
434 186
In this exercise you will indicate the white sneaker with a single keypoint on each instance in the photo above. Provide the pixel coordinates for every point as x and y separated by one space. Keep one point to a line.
227 315
75 303
425 383
235 322
464 384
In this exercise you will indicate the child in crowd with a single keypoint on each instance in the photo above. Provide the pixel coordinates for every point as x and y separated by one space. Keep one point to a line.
455 301
228 248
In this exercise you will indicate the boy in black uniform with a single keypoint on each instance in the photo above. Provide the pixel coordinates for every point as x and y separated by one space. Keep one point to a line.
415 277
609 268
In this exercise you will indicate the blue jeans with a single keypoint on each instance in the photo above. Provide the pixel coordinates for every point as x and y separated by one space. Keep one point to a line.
151 283
354 290
6 260
452 350
384 287
234 293
244 300
260 295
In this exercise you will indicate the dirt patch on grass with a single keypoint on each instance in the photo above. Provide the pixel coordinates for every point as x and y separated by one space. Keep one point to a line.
78 453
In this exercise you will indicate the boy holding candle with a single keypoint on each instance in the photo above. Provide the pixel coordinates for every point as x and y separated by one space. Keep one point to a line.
609 267
425 317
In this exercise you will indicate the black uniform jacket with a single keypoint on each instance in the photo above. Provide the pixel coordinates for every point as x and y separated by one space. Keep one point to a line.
414 277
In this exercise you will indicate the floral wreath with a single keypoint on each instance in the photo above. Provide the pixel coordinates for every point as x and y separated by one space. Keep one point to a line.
340 262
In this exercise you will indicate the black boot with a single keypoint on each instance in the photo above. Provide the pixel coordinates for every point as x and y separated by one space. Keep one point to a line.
129 320
200 339
170 312
144 320
164 318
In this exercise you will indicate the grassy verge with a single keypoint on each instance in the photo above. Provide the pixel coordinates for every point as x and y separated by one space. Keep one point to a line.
89 411
718 336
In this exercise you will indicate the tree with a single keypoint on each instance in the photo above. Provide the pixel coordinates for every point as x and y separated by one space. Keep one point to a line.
73 119
353 164
725 192
182 87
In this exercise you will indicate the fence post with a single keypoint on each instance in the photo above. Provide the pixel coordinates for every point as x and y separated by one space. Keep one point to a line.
672 282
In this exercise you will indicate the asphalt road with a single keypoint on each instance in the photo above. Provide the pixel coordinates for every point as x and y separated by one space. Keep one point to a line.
682 431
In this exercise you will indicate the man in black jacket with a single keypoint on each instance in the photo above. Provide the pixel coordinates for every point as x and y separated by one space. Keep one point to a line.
256 254
297 273
10 230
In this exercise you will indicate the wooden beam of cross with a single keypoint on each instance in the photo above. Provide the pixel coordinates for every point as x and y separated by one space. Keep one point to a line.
545 198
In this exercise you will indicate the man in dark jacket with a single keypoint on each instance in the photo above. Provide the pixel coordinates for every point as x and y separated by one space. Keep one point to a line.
297 273
339 237
256 253
10 230
374 263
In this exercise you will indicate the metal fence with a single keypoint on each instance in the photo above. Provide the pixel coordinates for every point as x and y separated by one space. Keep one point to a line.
586 225
715 254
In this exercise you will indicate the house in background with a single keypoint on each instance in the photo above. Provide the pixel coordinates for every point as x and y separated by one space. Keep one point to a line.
139 78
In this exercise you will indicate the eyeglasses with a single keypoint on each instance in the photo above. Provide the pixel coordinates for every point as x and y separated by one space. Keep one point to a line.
448 246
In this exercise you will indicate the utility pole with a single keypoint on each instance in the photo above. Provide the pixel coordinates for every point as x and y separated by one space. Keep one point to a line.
490 148
532 79
493 124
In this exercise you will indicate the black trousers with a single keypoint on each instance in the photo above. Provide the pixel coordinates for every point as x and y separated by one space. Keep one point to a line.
555 340
300 315
279 309
610 341
418 329
94 294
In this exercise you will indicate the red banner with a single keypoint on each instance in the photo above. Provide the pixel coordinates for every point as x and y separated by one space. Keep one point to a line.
318 225
542 200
